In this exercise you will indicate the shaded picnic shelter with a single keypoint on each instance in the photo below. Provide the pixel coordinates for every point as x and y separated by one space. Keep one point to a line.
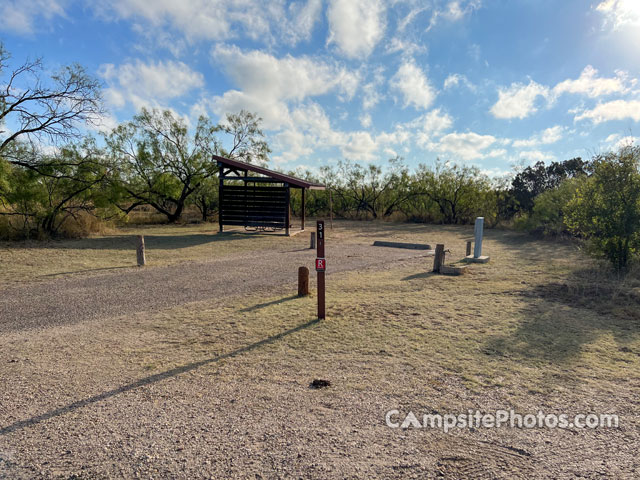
257 198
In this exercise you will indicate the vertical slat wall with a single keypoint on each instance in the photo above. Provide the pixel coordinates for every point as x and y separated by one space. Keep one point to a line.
254 206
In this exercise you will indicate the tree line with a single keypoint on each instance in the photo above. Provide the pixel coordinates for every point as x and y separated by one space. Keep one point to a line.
156 161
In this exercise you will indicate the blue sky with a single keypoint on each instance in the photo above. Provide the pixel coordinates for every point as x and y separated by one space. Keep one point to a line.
493 83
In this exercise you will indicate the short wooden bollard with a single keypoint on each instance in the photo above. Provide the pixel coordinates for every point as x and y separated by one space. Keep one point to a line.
438 260
140 251
468 249
303 281
313 240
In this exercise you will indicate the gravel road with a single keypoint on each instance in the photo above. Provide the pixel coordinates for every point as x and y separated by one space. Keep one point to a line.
73 298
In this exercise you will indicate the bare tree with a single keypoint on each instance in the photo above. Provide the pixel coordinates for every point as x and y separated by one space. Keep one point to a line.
41 107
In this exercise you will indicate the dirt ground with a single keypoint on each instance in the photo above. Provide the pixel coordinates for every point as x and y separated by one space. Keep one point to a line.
199 365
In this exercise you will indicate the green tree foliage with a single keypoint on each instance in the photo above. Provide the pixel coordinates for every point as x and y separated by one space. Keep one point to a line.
606 206
533 180
457 193
159 163
205 198
549 209
361 192
47 190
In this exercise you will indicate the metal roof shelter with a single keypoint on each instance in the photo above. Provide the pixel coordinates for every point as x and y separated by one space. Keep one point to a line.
256 197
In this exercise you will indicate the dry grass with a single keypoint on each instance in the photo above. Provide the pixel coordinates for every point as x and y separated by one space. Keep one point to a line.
165 245
538 327
171 244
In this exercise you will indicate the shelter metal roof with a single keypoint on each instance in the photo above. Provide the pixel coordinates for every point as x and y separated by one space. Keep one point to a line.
281 177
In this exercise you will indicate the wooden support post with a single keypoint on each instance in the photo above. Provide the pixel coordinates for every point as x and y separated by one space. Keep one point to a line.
303 281
313 240
220 194
468 249
320 256
288 214
303 210
438 260
140 251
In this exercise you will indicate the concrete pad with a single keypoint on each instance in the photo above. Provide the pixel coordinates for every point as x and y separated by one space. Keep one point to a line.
453 270
472 259
411 246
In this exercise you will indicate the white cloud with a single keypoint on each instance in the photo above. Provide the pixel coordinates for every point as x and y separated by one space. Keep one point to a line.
536 156
414 86
406 48
310 131
616 141
220 19
365 120
104 124
465 146
267 84
303 19
546 137
371 94
429 126
284 78
306 130
614 110
519 100
409 17
457 79
360 146
453 11
144 84
620 12
356 26
589 84
19 16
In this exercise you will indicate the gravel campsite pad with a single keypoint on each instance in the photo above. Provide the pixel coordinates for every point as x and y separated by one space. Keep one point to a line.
206 368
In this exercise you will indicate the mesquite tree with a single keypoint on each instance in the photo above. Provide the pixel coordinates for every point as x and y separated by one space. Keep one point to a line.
159 163
43 108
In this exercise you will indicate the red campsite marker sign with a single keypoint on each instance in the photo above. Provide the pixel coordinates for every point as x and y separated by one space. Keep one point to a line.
321 264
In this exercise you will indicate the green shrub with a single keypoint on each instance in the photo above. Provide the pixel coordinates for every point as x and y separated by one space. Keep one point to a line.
606 207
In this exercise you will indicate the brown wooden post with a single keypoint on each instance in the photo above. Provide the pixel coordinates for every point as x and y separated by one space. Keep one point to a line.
320 256
468 249
140 251
302 219
313 240
303 281
439 257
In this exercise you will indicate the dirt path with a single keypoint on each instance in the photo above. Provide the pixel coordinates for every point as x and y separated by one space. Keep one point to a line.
70 299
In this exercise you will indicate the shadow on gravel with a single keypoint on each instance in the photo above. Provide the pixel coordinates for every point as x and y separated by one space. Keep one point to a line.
150 380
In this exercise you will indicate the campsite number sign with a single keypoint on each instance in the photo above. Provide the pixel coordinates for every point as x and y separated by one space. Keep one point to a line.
321 265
